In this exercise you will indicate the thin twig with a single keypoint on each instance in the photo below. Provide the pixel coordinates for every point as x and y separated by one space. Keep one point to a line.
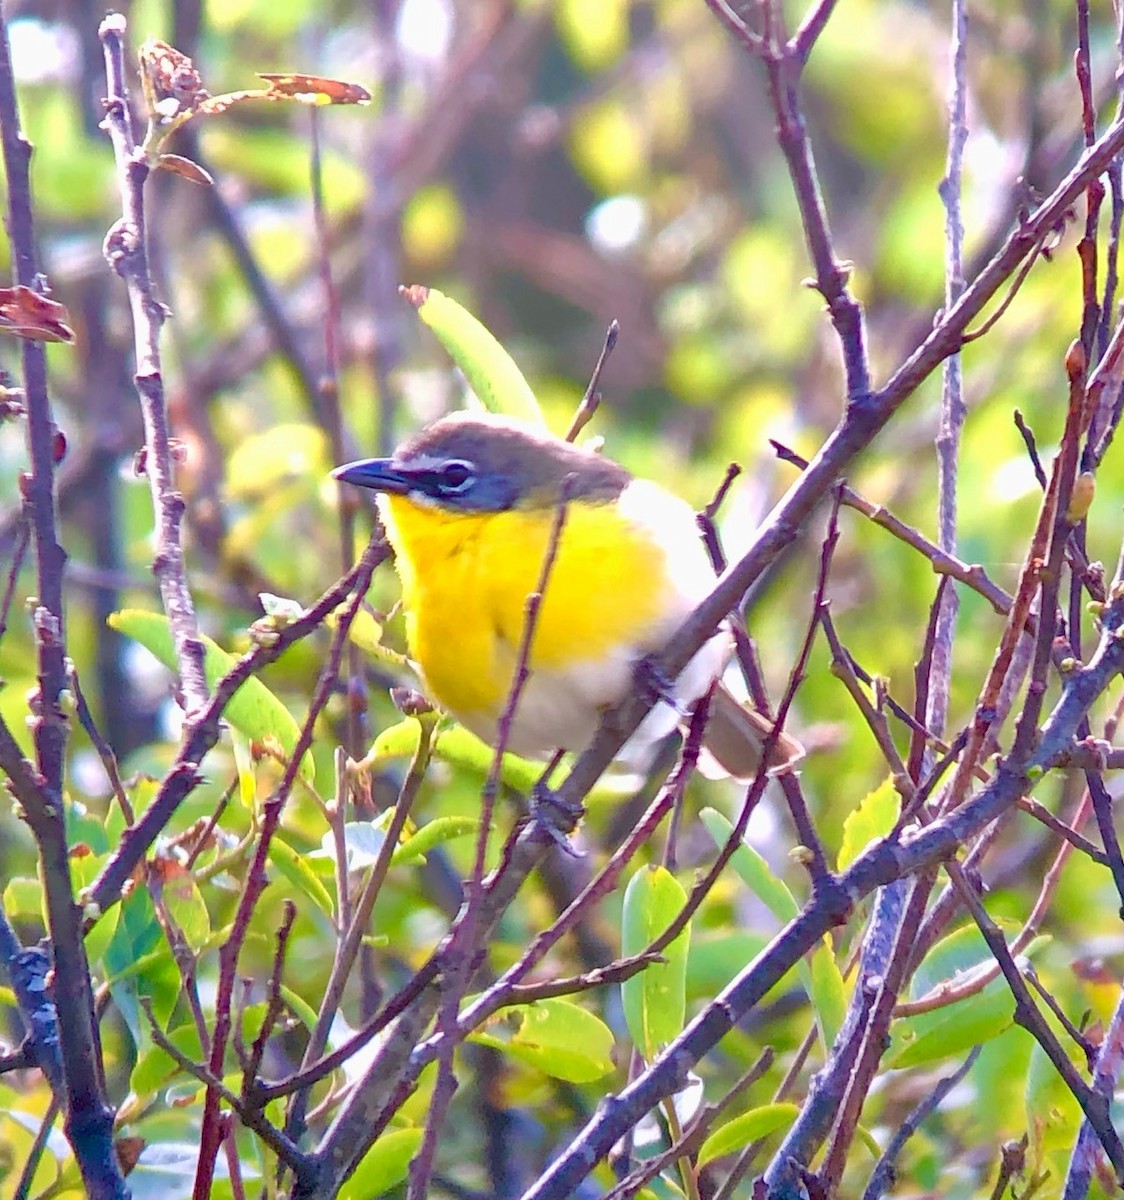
693 1135
904 903
328 408
126 251
209 826
274 1002
105 752
202 731
1083 1044
273 1138
255 883
81 1091
1087 1146
1102 810
359 918
970 983
1027 435
35 1154
879 864
592 398
973 335
953 408
884 1175
1094 1103
944 563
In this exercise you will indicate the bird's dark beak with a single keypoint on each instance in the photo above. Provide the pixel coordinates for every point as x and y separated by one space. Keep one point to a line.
379 474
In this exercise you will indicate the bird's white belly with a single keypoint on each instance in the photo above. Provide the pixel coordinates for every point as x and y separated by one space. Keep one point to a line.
561 710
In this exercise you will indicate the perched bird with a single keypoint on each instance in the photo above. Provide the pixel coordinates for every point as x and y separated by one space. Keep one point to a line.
469 504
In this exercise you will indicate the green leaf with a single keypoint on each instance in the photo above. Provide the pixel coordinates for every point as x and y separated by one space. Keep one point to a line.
490 370
138 932
84 869
23 899
951 1031
186 906
755 872
655 1000
953 957
875 816
717 955
383 1166
558 1038
431 835
155 1067
819 972
735 1134
1052 1112
303 1010
100 935
139 962
867 1139
244 765
296 870
83 826
253 710
253 1021
365 632
456 746
827 991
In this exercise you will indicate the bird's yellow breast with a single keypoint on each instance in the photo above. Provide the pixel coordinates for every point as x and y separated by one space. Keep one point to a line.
466 577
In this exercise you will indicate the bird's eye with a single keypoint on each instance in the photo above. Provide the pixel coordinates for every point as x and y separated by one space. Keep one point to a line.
455 475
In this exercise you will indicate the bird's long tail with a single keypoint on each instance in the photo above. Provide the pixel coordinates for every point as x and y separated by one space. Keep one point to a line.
735 737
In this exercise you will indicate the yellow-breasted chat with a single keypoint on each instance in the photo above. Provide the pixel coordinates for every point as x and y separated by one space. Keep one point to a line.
469 506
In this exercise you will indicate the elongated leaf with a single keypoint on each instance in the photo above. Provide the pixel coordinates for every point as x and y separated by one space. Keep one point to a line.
384 1166
953 957
456 746
490 370
23 899
750 1126
253 710
755 872
453 744
819 972
301 1008
655 1000
560 1039
717 955
951 1031
297 871
185 904
874 818
431 835
1052 1112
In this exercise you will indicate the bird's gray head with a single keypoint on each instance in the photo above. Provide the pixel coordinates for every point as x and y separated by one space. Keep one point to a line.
484 463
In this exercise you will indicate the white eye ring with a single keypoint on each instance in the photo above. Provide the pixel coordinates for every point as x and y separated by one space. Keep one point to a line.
455 475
